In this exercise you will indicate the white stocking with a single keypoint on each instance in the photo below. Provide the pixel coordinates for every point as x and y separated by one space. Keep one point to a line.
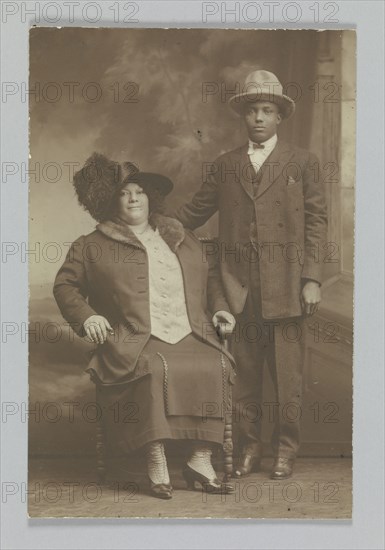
157 463
200 461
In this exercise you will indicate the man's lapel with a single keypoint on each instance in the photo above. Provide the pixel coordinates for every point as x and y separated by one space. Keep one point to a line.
274 165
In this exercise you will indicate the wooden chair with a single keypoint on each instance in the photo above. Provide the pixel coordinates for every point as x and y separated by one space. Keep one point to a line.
227 440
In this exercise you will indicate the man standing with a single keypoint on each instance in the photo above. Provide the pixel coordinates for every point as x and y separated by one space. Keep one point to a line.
272 228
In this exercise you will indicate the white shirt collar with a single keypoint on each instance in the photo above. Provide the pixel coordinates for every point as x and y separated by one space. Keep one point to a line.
269 145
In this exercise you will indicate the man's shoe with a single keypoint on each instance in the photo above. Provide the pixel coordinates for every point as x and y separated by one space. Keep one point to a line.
282 468
249 461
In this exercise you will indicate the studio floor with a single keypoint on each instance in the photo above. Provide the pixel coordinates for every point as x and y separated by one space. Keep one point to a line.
321 488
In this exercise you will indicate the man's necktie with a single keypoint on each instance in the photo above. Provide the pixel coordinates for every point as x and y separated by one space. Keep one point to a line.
258 146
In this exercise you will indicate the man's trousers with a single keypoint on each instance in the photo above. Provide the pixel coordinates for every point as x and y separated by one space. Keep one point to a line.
279 343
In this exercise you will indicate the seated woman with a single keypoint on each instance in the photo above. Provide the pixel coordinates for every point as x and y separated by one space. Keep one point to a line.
136 286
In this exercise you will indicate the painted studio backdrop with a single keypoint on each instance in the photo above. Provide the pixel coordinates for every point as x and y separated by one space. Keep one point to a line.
158 98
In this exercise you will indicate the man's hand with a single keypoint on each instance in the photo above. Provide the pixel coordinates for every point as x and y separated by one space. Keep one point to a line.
96 328
224 322
310 297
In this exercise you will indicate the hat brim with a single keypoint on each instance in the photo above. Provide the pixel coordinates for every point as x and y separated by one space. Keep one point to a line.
150 180
98 182
286 104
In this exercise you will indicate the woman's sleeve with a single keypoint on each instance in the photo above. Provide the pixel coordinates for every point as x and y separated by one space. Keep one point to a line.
71 290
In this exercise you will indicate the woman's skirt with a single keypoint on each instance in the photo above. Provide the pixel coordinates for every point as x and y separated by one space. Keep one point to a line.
185 395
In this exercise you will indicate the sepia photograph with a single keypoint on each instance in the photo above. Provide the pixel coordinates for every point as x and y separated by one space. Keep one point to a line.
191 272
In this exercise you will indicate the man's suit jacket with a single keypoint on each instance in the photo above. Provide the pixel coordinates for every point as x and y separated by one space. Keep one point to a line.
289 210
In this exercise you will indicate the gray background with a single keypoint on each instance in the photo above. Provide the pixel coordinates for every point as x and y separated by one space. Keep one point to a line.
365 530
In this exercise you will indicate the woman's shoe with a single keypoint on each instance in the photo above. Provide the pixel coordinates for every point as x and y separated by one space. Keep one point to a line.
157 470
213 486
161 490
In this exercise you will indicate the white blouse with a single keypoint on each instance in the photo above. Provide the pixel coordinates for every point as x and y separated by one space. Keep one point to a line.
169 319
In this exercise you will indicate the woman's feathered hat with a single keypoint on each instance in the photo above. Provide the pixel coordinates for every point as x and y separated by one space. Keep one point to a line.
100 179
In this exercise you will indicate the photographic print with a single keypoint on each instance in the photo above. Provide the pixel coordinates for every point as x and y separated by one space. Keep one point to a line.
191 239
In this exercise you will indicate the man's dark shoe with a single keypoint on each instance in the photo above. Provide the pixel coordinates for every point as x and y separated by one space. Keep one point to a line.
282 468
250 461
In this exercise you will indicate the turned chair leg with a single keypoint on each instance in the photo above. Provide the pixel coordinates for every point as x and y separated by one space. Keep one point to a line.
100 454
101 467
228 439
228 414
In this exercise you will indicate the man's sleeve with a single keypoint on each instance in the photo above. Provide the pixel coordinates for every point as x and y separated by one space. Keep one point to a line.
315 220
215 292
202 206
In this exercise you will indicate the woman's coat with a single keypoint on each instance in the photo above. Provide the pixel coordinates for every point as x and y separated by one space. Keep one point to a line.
106 273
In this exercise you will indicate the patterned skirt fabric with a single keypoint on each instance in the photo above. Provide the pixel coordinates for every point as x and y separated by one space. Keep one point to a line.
183 397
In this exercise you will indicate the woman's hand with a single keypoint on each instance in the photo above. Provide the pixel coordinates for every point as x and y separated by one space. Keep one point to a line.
224 322
96 328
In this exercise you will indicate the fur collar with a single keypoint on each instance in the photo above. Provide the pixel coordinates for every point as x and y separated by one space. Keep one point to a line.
171 231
